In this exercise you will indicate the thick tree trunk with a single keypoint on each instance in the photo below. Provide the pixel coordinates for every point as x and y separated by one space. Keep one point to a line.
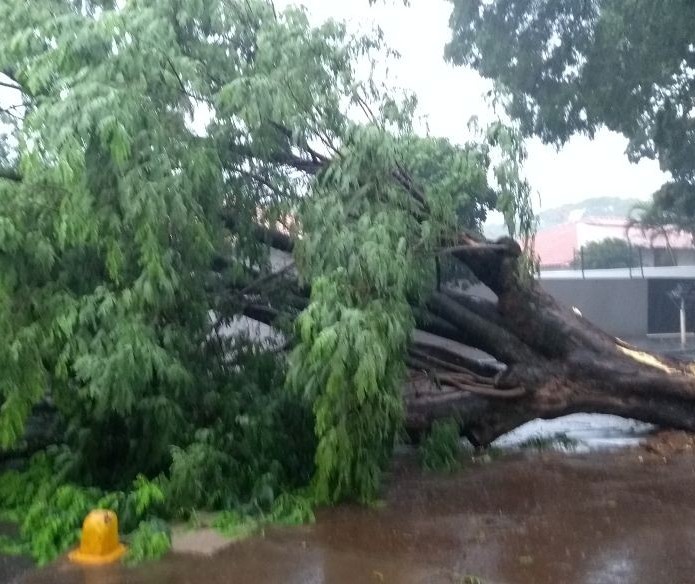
555 362
632 384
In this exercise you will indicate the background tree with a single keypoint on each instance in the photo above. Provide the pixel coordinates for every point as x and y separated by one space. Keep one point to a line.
611 252
572 67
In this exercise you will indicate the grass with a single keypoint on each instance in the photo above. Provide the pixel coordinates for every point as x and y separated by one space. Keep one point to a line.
235 526
288 509
441 449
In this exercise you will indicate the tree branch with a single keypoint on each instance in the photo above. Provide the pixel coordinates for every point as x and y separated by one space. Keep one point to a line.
476 331
261 313
271 237
438 348
479 248
10 85
482 390
483 307
10 174
265 279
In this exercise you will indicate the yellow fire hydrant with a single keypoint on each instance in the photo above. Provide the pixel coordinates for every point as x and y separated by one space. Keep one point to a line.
99 544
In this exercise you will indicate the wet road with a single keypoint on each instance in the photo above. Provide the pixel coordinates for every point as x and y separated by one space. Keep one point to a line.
11 567
607 517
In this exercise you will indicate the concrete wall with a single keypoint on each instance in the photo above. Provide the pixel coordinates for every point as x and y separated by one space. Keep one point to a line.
685 257
617 306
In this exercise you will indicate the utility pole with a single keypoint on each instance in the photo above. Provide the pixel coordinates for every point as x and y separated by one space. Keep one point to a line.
641 263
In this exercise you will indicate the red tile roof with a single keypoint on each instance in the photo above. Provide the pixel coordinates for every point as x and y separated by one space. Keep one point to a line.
555 246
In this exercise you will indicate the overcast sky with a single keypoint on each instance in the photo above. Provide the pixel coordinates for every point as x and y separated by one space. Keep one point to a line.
449 96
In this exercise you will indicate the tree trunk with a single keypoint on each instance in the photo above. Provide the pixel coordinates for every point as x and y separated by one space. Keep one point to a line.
554 362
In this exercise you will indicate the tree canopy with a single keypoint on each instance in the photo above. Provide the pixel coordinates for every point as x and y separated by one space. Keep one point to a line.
611 252
569 67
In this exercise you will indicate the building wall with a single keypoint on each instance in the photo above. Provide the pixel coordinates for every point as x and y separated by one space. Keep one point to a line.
619 307
685 257
589 232
556 246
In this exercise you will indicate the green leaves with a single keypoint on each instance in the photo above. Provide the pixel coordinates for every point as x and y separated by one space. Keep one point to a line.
611 252
146 495
349 365
50 511
370 232
359 225
441 449
149 542
113 210
24 378
514 198
564 68
51 514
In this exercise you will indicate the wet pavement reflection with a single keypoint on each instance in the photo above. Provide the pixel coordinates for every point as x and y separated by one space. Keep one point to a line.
531 518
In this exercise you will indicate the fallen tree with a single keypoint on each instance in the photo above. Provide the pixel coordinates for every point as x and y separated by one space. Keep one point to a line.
124 223
557 363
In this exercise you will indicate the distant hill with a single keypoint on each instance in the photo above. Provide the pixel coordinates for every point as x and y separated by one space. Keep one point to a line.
595 207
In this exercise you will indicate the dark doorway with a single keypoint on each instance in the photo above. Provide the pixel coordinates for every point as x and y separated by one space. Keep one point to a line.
663 308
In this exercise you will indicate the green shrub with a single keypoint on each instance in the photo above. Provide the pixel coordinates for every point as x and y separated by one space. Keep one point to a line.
245 441
234 525
287 509
250 440
441 448
292 509
150 541
50 511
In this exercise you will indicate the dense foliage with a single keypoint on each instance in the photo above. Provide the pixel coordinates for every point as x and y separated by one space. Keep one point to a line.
149 143
109 236
611 252
568 67
50 510
369 253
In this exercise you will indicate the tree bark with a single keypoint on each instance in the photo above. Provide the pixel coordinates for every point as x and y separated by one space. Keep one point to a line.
556 362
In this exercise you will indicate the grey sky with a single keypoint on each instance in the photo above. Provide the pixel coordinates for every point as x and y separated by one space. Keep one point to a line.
449 96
